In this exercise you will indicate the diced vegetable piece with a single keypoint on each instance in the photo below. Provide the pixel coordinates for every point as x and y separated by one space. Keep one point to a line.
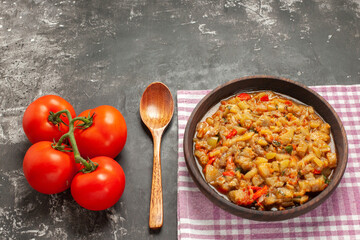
265 132
264 170
211 173
325 128
262 142
260 160
261 108
280 156
275 166
201 129
317 151
202 156
281 107
325 148
293 162
315 123
271 181
304 185
223 149
246 136
212 141
284 164
270 155
240 130
289 149
318 161
270 200
284 193
250 174
210 120
275 129
271 107
257 180
302 148
234 109
302 199
319 135
317 184
243 105
305 130
287 137
308 158
332 159
214 152
240 197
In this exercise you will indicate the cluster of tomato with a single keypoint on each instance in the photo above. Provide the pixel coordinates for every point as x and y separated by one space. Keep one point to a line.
51 165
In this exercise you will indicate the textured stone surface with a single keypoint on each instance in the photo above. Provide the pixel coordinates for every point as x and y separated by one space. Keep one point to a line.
107 52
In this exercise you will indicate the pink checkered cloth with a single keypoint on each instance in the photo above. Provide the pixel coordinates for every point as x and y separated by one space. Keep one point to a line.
337 218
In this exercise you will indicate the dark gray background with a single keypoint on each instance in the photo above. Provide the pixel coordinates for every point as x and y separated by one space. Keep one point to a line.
106 52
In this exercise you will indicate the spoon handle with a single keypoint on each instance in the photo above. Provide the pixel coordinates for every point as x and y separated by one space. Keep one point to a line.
156 201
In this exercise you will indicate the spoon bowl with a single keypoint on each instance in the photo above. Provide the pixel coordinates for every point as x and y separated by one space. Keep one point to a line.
156 111
156 106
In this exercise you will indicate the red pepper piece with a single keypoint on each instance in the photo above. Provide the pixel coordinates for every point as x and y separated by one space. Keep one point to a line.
287 102
317 171
254 188
264 98
260 192
244 96
246 200
222 190
231 134
228 173
211 160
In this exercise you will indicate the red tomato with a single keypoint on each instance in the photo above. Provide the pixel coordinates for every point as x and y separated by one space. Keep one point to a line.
48 170
36 125
105 137
101 188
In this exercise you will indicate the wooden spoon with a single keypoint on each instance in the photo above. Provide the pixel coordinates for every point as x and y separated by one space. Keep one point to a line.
156 111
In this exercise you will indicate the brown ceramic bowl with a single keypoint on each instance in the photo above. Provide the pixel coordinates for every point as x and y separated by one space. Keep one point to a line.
280 85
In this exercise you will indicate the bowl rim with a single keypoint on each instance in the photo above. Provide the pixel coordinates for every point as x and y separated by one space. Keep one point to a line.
244 212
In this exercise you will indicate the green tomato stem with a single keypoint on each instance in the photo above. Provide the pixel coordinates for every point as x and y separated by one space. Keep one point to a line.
58 114
55 119
89 166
